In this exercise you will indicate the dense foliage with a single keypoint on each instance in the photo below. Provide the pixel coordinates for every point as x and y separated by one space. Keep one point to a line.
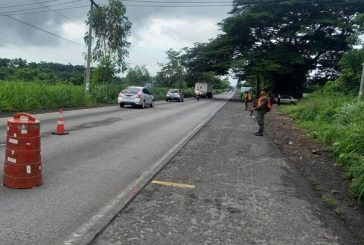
281 43
334 116
20 69
178 73
138 75
336 120
22 96
25 96
110 28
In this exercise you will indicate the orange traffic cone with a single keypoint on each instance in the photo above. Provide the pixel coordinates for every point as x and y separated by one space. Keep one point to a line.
60 124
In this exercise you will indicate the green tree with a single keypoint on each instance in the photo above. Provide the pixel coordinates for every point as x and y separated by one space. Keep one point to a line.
138 75
350 72
214 56
282 42
110 28
172 73
104 72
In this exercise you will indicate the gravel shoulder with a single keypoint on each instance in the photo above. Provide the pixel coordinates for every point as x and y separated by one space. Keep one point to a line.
240 189
317 164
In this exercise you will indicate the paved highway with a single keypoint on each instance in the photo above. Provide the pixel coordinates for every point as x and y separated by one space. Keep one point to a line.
90 173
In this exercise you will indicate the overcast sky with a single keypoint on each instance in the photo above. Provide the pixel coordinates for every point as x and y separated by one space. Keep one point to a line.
154 30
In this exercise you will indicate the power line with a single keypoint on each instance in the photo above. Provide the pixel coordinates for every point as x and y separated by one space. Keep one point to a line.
62 15
127 5
41 29
47 11
178 2
26 4
57 4
176 6
19 12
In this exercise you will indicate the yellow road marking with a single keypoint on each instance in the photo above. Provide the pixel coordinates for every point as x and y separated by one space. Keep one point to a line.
158 182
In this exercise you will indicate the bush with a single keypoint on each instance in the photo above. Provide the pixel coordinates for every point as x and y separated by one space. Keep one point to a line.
26 96
106 93
22 96
337 120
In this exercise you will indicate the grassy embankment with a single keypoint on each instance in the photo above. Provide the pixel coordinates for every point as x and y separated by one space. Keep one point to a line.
338 121
25 96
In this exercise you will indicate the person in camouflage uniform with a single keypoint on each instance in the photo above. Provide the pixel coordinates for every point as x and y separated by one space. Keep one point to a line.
247 99
261 109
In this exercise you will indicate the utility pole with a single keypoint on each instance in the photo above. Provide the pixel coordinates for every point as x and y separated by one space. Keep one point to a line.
361 84
88 69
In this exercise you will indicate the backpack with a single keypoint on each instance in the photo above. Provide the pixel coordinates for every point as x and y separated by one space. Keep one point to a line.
249 97
268 106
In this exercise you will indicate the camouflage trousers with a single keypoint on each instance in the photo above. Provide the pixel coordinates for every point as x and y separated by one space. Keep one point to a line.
260 120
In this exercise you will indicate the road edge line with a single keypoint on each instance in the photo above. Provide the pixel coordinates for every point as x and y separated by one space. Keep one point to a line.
89 230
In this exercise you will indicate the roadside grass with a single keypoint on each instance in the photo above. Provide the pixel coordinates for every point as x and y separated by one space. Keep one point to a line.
338 121
330 202
21 96
25 96
106 93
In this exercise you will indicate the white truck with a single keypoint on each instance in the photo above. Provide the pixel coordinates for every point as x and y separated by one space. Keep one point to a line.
204 90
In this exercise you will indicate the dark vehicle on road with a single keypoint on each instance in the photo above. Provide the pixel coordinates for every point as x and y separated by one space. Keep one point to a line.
175 95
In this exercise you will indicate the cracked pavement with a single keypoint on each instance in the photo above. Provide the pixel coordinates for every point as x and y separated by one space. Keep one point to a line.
246 192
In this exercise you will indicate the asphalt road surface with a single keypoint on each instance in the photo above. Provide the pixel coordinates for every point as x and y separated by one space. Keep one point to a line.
227 186
87 173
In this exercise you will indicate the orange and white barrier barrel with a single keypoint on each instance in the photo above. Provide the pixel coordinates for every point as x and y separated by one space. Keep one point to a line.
22 166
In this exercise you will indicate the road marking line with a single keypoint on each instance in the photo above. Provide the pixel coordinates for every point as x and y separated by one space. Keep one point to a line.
165 183
87 232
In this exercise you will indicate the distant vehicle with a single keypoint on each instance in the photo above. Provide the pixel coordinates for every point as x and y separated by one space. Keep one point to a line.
175 94
286 99
204 89
136 96
246 89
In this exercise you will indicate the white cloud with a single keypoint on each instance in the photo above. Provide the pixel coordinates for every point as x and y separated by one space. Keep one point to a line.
174 33
154 31
64 53
150 41
73 31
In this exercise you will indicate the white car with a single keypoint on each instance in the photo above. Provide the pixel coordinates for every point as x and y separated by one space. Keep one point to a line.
175 94
136 96
286 99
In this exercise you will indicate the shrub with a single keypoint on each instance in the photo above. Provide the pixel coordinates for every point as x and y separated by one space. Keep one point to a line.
22 96
106 93
338 120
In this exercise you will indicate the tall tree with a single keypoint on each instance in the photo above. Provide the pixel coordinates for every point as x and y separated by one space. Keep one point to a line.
110 28
139 75
351 68
172 73
282 42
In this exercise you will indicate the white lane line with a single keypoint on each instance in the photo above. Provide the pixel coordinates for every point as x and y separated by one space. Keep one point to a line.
87 232
2 145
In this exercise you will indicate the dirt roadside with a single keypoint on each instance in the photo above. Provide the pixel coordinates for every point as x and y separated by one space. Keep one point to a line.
317 164
242 191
